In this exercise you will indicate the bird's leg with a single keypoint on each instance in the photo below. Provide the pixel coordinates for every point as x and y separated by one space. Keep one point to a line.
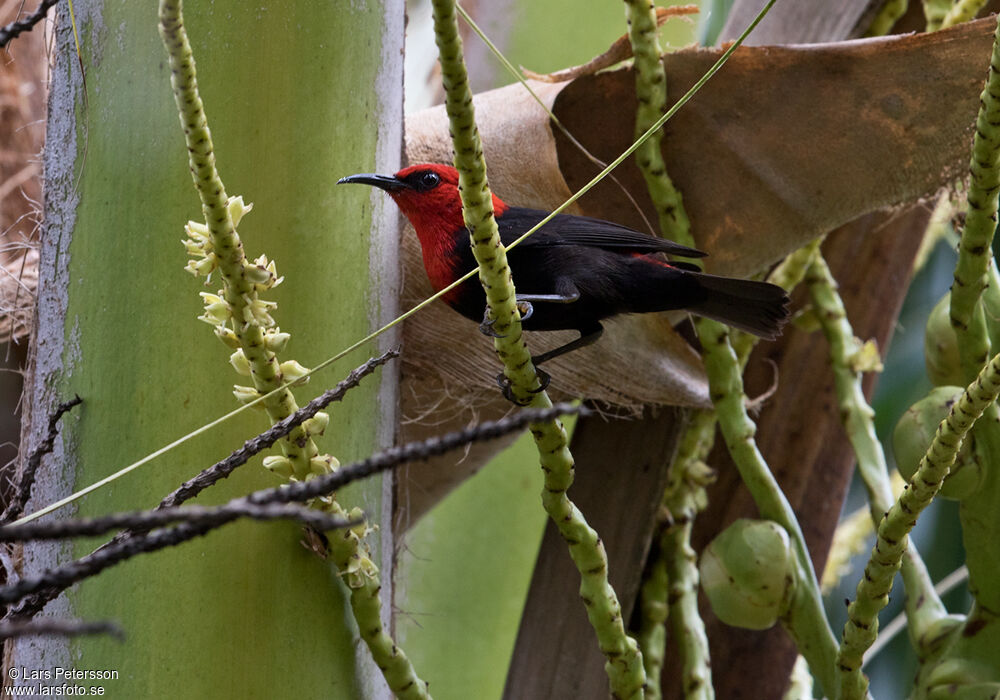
568 298
566 293
587 336
526 309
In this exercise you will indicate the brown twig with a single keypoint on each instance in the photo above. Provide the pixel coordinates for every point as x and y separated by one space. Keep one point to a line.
62 628
14 29
22 492
34 592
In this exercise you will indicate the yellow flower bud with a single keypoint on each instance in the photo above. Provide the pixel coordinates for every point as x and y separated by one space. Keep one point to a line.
227 336
317 424
292 371
240 363
237 209
282 466
275 340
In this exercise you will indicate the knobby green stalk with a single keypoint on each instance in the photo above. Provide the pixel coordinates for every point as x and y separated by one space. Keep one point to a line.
651 93
923 606
243 322
477 210
653 612
686 625
886 17
624 662
671 589
684 498
808 623
874 587
935 11
724 369
967 316
800 684
962 11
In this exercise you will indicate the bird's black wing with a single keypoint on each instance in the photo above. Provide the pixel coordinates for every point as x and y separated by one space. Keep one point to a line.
566 229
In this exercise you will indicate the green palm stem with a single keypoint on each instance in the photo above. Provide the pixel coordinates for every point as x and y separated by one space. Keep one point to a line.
653 613
886 17
923 605
248 316
682 574
651 95
935 11
807 621
684 502
623 660
695 444
800 684
967 315
670 591
962 11
893 530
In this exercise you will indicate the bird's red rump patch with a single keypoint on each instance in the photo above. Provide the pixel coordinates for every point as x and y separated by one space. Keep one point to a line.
654 258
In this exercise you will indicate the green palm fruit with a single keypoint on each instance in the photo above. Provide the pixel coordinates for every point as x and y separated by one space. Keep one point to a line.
915 431
944 368
748 574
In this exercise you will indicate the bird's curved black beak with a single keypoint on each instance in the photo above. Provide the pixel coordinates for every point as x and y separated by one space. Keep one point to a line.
384 182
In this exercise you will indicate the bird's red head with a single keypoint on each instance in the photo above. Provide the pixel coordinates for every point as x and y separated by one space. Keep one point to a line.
427 193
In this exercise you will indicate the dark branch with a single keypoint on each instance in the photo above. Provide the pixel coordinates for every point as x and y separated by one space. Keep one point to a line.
189 489
220 470
22 492
411 452
18 27
149 519
94 563
49 584
62 628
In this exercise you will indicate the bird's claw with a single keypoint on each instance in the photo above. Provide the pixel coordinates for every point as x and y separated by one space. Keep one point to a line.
486 327
525 309
544 379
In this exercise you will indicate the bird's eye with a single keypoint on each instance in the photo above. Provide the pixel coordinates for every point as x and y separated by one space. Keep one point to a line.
428 181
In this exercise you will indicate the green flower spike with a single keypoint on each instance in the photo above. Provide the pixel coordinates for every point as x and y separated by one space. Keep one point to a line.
651 94
624 662
216 244
893 530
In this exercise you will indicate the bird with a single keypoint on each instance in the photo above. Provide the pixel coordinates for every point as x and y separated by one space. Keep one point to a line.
575 271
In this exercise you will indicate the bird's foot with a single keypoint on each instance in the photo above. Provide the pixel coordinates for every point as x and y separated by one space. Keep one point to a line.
525 309
486 327
544 379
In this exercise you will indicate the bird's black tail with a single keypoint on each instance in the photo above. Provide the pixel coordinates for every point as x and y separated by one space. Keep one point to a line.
755 307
